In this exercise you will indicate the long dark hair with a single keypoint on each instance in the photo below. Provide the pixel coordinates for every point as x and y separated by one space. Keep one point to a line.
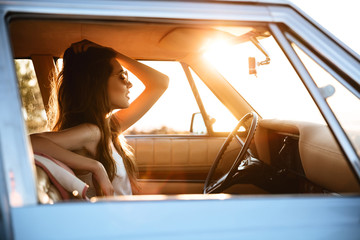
79 95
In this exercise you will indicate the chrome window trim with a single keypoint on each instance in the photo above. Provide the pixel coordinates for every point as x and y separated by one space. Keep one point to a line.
323 64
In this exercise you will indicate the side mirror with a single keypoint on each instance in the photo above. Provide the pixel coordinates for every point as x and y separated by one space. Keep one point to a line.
197 124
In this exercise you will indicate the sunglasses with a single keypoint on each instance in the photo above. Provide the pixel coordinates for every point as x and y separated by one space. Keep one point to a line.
123 75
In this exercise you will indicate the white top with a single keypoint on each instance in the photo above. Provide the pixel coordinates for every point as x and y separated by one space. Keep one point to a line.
121 182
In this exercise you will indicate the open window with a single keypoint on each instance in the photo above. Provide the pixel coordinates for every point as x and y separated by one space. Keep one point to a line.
208 66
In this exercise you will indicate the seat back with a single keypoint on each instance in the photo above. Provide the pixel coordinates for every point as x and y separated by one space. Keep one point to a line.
46 190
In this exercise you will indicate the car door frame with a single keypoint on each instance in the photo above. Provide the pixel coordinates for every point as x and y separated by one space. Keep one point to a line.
232 216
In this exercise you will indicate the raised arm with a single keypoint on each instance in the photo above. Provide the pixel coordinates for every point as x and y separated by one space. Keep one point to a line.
155 85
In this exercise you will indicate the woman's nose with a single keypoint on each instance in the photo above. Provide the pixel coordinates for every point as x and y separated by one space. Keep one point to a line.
129 84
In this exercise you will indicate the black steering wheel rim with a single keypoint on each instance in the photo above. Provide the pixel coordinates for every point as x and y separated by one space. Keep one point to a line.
226 177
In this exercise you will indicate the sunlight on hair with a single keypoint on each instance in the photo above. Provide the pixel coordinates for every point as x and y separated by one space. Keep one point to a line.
59 64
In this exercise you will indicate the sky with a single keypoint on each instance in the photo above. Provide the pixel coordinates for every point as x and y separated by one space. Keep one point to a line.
340 17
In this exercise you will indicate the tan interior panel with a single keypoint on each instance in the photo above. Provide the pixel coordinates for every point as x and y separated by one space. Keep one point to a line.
166 187
178 155
137 39
322 161
172 187
180 37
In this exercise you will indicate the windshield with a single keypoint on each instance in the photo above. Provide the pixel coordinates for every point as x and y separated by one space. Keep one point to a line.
275 91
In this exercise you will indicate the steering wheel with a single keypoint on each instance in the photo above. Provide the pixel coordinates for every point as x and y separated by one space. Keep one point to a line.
224 181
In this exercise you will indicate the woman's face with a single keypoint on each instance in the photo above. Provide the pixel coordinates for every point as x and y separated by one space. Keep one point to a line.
118 86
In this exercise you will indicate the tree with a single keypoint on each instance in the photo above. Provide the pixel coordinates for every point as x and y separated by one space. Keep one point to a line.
32 104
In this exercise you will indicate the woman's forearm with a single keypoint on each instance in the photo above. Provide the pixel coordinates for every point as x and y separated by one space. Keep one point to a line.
75 161
150 77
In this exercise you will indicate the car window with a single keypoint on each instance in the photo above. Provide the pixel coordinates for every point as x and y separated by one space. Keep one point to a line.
223 119
273 89
178 103
32 105
342 102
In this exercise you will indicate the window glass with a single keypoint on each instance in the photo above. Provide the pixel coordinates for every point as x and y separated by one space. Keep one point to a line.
275 91
224 120
342 102
32 105
172 113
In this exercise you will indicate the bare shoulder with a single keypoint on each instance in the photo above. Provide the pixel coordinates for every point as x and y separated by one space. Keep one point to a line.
92 134
93 131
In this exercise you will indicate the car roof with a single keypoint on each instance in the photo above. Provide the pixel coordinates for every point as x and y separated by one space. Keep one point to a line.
107 7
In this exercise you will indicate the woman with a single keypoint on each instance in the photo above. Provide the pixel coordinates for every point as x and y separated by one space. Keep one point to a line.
85 132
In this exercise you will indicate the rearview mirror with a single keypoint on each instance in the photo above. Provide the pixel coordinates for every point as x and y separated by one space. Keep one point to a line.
252 66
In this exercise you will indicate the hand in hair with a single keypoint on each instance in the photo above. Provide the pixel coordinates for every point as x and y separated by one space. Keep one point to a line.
83 46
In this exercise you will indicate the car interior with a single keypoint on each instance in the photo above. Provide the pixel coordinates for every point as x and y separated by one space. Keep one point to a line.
259 155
